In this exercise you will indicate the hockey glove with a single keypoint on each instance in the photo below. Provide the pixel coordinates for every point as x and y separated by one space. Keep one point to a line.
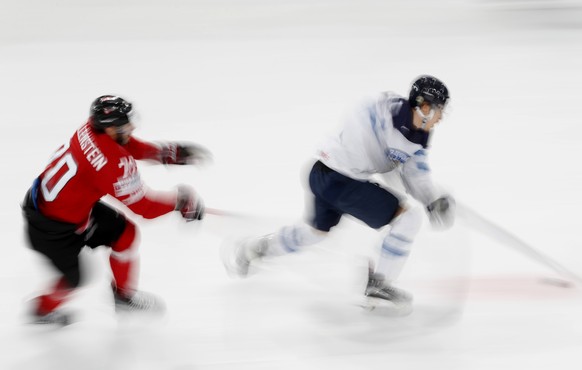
189 204
184 153
441 212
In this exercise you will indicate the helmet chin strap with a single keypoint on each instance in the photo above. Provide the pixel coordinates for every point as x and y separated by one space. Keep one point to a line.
425 117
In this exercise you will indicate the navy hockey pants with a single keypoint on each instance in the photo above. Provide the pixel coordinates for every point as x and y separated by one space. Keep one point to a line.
336 195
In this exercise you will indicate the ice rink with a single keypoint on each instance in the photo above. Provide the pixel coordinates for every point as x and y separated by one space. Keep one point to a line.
259 83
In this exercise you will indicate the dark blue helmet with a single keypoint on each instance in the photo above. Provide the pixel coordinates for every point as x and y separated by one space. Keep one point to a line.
428 89
110 110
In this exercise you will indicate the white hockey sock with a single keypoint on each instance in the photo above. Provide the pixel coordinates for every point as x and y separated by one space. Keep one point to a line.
290 239
396 245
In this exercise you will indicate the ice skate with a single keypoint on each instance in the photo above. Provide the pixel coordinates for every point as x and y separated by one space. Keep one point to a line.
54 318
57 317
383 295
138 302
238 255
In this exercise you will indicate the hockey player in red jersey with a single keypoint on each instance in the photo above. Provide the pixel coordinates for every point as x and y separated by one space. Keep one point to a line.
64 212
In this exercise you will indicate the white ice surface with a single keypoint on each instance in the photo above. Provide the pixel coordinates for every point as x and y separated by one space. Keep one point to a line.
259 82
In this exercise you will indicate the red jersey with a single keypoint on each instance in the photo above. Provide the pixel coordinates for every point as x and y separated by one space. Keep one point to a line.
92 165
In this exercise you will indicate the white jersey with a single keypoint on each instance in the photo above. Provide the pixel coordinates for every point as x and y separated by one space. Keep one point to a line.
378 137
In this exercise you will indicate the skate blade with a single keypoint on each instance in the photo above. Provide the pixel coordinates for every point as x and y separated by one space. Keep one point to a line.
159 309
386 308
39 324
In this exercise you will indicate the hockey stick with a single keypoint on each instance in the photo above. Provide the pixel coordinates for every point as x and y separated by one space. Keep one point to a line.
488 228
230 214
222 212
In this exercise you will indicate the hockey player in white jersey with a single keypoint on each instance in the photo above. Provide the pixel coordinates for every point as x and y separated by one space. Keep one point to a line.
387 133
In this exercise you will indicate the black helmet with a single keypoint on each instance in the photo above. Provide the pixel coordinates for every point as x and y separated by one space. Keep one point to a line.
428 89
110 110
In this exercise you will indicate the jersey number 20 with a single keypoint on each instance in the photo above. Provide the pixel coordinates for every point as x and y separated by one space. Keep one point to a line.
57 177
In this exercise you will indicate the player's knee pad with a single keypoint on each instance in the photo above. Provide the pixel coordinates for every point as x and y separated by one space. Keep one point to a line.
125 247
398 241
408 223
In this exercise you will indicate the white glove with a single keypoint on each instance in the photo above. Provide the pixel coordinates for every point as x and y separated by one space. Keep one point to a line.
441 213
